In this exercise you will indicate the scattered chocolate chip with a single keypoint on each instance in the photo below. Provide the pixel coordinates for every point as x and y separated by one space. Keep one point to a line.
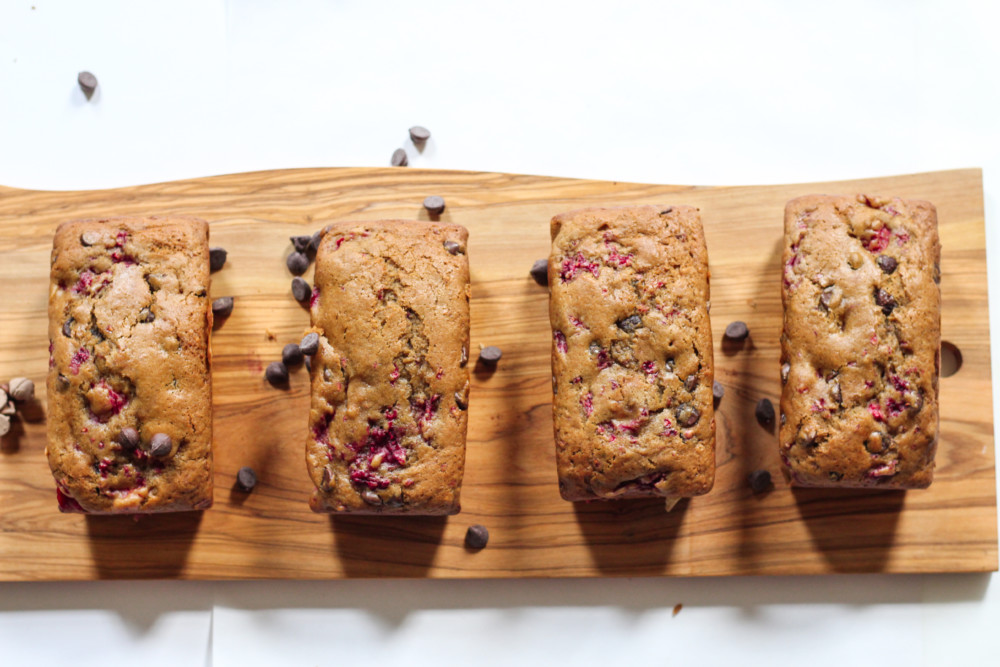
300 243
21 389
160 445
310 344
490 355
885 300
216 258
276 373
477 536
90 237
4 425
691 383
540 271
399 158
314 242
222 307
453 247
886 263
67 329
759 480
128 438
718 391
291 355
630 323
301 290
786 368
434 205
737 331
688 415
764 411
87 82
246 479
419 135
146 316
297 263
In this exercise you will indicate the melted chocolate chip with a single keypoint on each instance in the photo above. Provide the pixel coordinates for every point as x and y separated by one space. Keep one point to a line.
630 323
886 300
886 263
453 247
128 438
67 328
146 316
688 415
160 445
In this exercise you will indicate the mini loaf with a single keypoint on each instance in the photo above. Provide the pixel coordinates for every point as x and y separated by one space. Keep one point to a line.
390 380
860 347
632 366
129 391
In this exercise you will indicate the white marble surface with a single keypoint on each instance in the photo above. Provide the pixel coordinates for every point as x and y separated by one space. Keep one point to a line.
707 93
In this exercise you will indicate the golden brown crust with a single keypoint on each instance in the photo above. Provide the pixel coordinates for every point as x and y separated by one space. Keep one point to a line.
631 353
129 320
390 383
860 348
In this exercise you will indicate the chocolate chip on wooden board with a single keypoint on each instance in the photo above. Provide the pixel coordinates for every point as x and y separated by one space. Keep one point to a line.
216 258
310 344
301 243
477 536
87 83
291 355
419 134
764 412
4 425
490 355
540 271
434 204
301 290
276 373
246 479
737 331
222 307
297 263
718 391
759 481
314 242
21 389
399 158
160 445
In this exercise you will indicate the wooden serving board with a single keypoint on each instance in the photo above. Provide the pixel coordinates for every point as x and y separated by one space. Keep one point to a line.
510 481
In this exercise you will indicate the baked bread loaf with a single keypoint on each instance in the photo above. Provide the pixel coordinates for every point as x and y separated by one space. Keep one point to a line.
632 365
129 391
390 381
860 346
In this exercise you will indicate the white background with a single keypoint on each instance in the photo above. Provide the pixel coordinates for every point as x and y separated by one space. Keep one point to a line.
683 93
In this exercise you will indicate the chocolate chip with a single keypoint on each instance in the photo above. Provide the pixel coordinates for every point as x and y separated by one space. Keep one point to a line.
276 373
419 135
146 316
399 158
222 307
830 297
630 323
310 344
691 383
291 355
540 271
667 210
477 536
464 358
21 389
786 368
764 411
301 290
160 445
309 362
90 237
246 479
737 331
453 247
370 497
434 205
326 482
87 82
759 480
886 263
718 391
688 415
216 258
128 438
490 354
300 243
460 401
4 425
297 263
885 300
67 329
62 382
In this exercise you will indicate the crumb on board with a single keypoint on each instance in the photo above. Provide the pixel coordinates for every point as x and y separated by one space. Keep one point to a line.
677 608
270 335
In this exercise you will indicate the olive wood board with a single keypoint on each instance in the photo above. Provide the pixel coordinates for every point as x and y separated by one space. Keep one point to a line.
510 479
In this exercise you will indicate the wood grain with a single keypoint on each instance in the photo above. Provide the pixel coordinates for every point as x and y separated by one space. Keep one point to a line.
510 482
